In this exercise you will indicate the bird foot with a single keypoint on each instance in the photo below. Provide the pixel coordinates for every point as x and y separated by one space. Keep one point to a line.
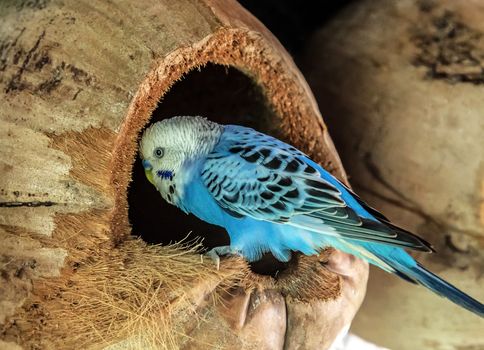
216 252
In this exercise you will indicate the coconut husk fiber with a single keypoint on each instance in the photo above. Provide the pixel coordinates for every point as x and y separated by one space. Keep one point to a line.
90 256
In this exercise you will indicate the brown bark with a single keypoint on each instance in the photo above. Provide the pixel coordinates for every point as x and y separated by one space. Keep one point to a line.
79 81
402 84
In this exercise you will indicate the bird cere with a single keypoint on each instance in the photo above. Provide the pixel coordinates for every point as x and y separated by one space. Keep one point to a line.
271 197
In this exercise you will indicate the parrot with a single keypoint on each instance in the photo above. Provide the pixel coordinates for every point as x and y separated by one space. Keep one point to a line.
272 198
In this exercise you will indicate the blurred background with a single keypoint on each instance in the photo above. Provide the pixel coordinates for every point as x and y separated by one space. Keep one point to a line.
400 85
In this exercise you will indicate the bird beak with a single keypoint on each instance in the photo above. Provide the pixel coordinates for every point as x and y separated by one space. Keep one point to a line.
148 173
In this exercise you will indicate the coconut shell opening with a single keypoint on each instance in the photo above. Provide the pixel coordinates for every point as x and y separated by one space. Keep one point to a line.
80 93
224 95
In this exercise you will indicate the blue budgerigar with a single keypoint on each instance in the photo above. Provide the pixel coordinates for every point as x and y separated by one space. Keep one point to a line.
271 197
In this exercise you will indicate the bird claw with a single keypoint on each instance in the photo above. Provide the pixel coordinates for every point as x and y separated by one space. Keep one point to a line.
216 252
215 258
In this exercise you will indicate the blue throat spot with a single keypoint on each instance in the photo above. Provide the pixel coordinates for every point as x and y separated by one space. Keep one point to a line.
165 174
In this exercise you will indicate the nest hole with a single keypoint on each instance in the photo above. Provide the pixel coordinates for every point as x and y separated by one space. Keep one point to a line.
224 95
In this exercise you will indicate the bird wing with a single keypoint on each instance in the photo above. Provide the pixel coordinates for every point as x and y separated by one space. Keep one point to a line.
252 174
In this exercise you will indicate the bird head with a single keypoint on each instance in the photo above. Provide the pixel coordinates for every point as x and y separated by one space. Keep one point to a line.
168 145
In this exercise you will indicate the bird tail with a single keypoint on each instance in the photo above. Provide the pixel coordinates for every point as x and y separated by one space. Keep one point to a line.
399 262
418 274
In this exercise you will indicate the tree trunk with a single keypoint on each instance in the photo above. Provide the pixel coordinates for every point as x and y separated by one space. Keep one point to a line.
80 80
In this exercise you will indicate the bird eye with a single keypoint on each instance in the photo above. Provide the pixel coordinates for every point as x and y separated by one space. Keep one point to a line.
159 152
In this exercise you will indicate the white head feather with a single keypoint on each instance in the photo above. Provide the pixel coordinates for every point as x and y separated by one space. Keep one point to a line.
181 140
